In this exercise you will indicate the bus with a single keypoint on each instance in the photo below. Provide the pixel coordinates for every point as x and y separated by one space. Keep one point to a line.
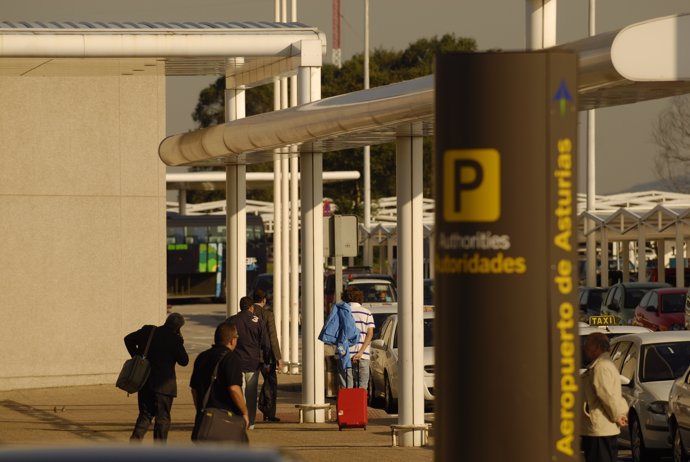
196 247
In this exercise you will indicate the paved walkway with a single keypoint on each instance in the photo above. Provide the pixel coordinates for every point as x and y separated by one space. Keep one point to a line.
104 414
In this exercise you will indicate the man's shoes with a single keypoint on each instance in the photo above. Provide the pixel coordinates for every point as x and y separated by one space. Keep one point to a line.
271 419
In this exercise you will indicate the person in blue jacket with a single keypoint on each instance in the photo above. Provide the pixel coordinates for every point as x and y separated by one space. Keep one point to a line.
340 330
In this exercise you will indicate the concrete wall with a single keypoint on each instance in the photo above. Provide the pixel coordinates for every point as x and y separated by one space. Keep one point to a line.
82 224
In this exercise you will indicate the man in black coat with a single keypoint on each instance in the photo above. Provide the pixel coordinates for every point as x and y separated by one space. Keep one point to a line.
253 347
269 390
156 397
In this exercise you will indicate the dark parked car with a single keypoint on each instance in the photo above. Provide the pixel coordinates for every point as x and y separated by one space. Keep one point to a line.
590 301
622 298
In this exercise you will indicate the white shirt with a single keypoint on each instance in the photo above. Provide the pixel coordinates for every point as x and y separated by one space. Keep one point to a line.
364 321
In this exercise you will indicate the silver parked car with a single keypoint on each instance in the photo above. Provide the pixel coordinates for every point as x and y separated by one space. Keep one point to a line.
649 363
679 417
383 381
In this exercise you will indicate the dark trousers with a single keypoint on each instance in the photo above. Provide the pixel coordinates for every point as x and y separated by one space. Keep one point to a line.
152 405
600 448
269 391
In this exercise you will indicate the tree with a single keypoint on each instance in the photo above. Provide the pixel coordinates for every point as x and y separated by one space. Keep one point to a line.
210 110
385 67
672 135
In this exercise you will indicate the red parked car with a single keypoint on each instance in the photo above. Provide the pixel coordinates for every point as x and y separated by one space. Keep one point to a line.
662 309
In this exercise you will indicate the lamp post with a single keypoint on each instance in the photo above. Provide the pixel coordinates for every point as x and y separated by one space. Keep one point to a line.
591 179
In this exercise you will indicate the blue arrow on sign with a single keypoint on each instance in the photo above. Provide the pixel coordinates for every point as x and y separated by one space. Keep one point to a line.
562 96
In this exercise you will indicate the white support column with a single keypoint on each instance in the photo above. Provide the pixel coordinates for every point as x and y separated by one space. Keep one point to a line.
625 252
313 360
368 250
540 24
591 167
661 260
410 283
182 201
277 227
294 247
641 254
591 271
285 235
236 218
680 255
604 254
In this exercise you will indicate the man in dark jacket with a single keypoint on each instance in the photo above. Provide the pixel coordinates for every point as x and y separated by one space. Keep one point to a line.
253 347
227 389
156 397
269 389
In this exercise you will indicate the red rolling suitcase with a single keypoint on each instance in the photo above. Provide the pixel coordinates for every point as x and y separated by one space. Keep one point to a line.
352 408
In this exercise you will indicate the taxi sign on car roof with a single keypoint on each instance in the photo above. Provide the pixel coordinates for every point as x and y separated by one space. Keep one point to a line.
608 320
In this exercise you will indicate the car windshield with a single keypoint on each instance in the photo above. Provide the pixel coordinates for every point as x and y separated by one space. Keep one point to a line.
633 297
375 292
673 303
664 361
594 300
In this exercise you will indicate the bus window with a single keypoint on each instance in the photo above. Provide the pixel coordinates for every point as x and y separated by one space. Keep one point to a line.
175 235
197 235
216 234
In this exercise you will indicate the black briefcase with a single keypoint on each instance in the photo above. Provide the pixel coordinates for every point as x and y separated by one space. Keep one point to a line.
135 371
221 425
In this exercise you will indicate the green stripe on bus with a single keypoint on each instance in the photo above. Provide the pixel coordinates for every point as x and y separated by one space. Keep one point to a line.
212 257
202 258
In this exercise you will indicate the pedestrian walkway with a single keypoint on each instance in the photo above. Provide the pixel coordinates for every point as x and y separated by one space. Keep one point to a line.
105 414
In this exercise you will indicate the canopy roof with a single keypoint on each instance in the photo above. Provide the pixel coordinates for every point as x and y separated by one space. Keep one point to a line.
614 69
250 52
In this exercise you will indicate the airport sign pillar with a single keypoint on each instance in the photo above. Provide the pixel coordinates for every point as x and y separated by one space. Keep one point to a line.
507 353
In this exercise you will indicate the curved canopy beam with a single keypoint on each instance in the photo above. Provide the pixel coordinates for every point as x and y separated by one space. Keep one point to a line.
613 70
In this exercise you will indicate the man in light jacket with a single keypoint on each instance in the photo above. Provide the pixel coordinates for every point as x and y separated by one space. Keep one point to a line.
605 409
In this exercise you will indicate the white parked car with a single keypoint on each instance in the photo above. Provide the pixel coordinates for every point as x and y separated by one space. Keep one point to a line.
649 363
380 314
383 383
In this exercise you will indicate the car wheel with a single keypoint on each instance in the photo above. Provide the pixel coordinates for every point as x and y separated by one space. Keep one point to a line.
678 449
391 404
639 452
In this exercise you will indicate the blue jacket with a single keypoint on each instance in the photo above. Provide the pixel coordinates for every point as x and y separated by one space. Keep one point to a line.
340 330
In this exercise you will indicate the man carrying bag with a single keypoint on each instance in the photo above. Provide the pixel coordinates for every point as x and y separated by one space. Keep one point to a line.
216 385
165 350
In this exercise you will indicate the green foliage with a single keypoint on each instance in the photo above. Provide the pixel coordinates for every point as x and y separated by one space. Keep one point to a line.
385 67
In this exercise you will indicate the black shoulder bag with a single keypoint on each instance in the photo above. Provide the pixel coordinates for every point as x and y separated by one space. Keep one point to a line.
135 371
219 424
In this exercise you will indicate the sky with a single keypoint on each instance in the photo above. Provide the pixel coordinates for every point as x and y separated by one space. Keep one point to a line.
624 134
